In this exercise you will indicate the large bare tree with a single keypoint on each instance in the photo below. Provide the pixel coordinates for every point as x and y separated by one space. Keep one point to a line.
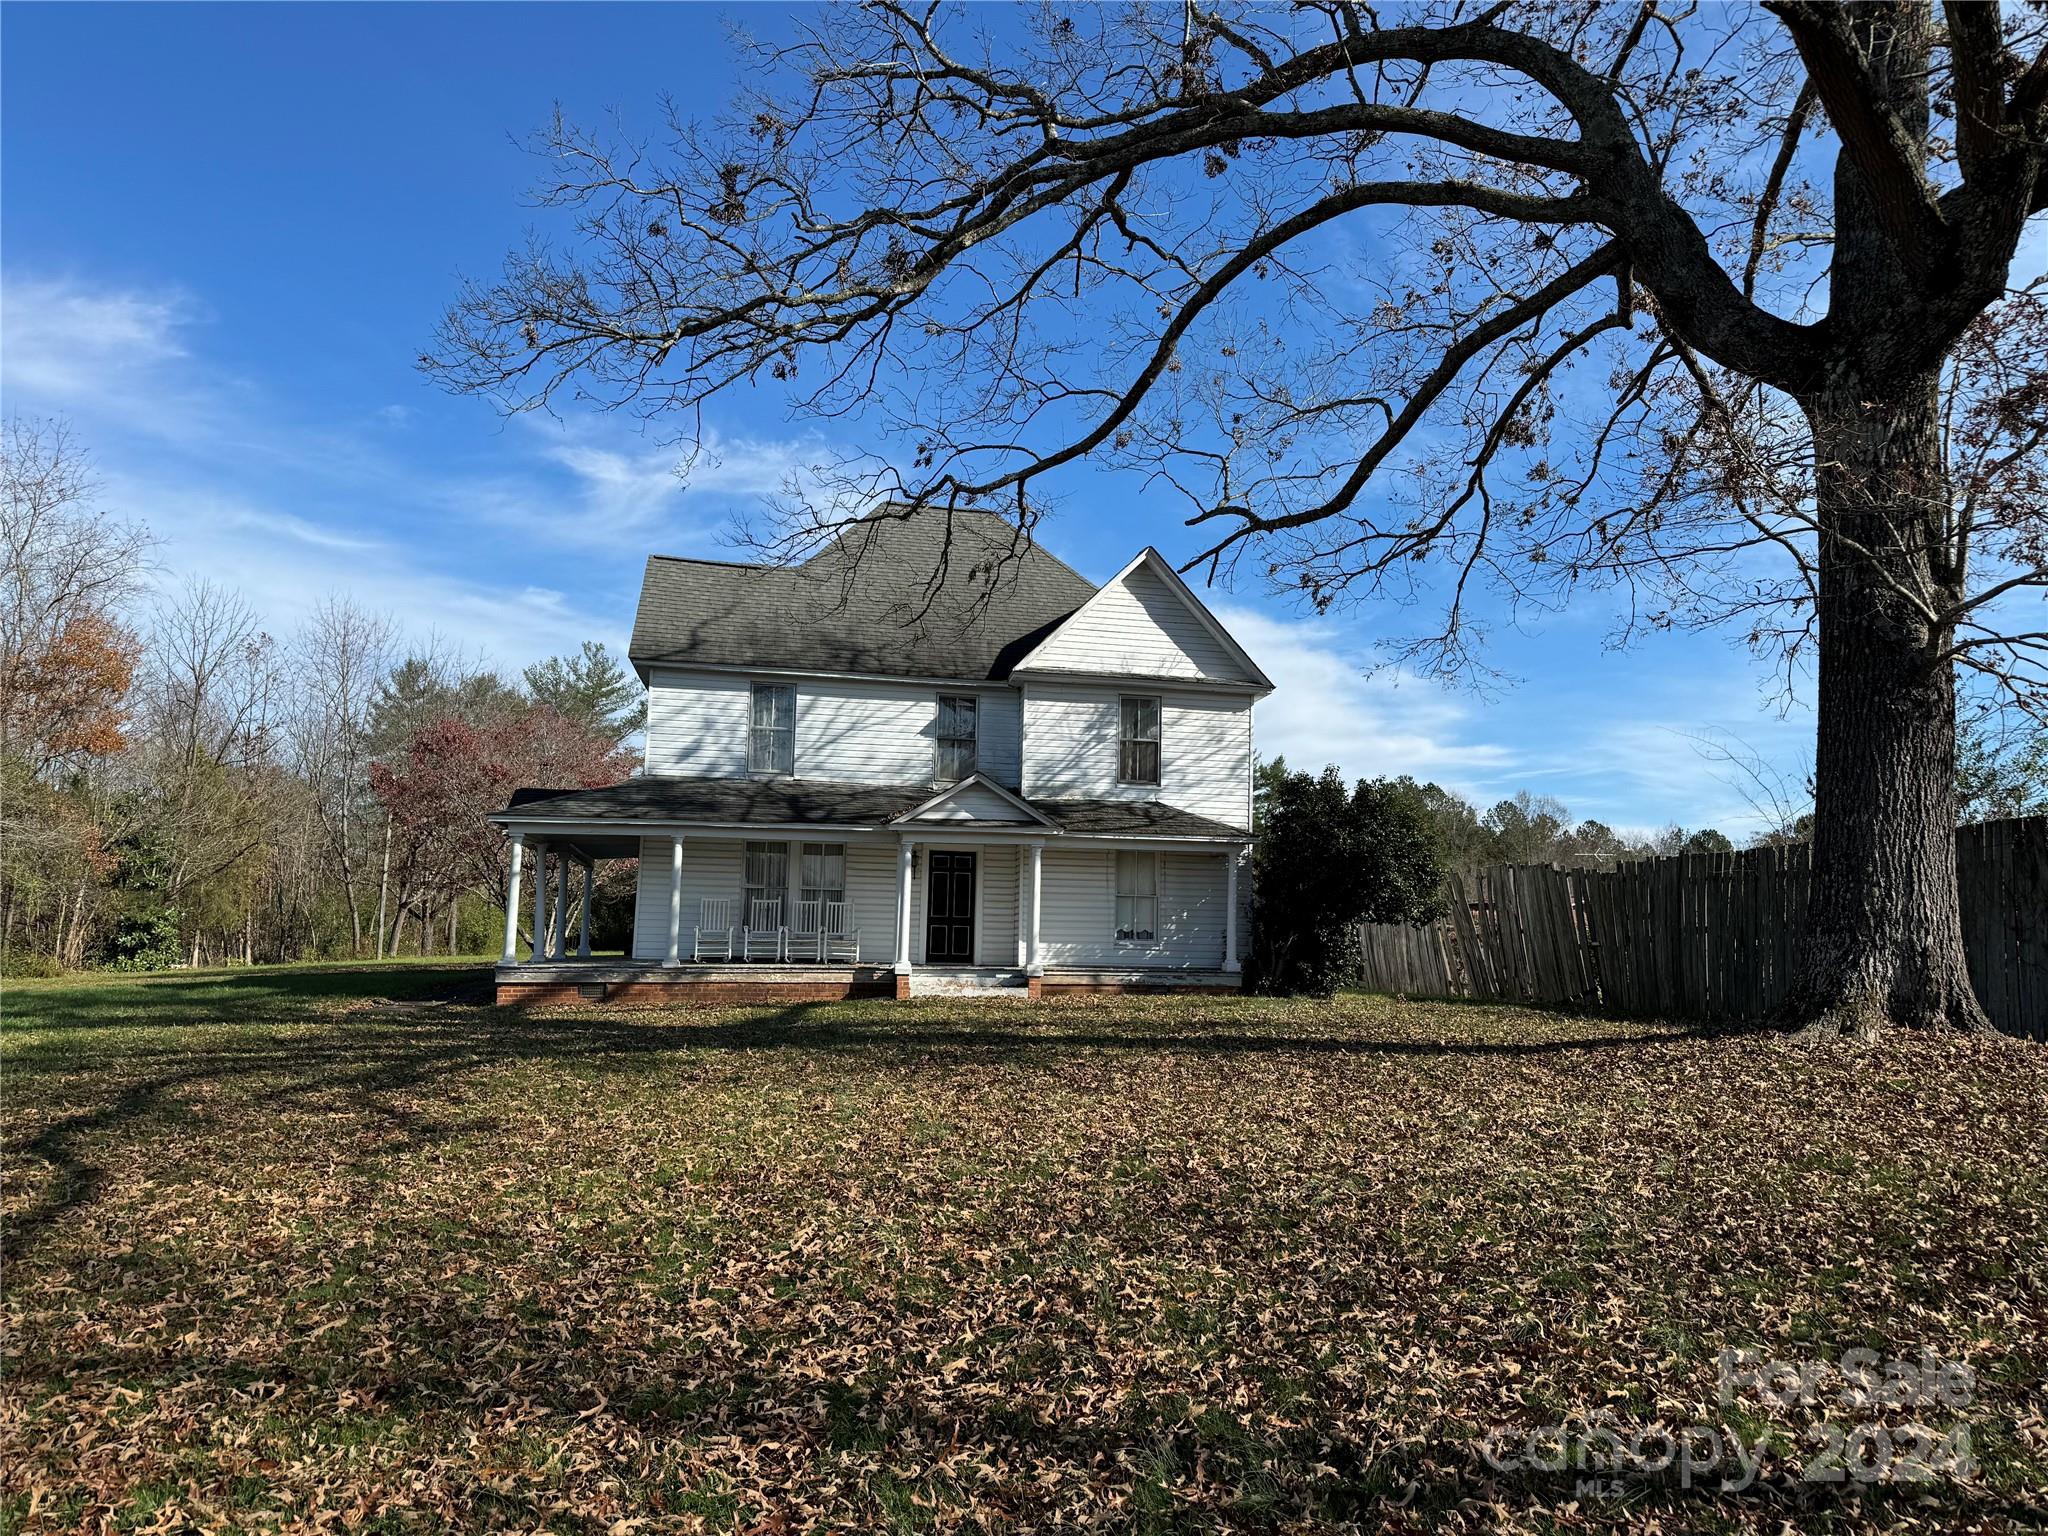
1717 307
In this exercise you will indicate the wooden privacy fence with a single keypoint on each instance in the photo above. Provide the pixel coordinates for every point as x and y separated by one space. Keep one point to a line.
1709 936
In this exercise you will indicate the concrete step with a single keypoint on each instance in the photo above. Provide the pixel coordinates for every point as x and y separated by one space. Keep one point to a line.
967 981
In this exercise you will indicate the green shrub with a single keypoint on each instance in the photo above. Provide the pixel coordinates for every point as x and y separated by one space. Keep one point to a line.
29 966
146 940
1328 860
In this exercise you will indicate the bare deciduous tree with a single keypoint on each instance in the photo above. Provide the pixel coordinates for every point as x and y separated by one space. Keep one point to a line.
1713 306
212 715
343 655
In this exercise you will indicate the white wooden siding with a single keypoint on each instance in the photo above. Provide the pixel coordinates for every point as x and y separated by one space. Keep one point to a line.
865 733
1205 753
871 887
697 725
711 868
996 915
846 731
1139 625
1078 928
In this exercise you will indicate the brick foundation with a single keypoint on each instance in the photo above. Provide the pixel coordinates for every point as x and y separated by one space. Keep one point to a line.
657 994
728 989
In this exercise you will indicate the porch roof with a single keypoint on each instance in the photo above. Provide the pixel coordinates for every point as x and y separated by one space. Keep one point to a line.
661 801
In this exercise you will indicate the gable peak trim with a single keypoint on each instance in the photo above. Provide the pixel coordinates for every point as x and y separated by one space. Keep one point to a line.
1150 558
975 781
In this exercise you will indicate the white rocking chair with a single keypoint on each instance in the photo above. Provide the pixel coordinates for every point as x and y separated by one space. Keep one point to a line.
805 941
714 933
765 937
838 936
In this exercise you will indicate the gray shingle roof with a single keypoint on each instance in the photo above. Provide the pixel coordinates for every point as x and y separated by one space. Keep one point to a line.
770 802
1102 818
810 802
861 605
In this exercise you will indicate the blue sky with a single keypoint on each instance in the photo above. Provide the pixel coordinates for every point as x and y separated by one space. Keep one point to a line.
226 232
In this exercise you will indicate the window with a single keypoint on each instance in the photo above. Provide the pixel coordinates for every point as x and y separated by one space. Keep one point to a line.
1137 759
767 875
1137 896
956 737
771 739
823 876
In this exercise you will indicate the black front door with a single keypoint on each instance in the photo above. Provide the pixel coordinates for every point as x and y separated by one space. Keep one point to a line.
949 909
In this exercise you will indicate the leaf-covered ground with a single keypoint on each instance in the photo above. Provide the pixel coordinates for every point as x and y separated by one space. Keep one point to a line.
283 1255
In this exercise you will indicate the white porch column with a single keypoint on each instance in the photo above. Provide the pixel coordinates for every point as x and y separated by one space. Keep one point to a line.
675 900
540 903
792 893
558 930
1034 963
583 927
511 955
905 852
1230 910
1022 876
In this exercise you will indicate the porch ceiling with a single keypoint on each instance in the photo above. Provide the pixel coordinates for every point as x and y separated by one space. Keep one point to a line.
586 846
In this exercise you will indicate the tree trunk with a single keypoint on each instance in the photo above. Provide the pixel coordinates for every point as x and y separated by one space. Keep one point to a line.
383 887
1884 939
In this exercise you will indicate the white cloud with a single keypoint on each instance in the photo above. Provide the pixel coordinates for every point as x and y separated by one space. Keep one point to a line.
284 565
100 355
1328 706
67 341
1680 766
627 484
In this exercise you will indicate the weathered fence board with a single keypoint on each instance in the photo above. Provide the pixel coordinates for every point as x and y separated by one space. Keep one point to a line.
1712 936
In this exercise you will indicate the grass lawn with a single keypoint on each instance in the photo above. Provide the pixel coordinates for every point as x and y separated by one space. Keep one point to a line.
315 1247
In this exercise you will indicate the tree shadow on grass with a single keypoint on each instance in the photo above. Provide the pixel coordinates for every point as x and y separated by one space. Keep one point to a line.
434 1036
260 995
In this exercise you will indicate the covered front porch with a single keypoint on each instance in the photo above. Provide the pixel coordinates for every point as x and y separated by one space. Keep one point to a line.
993 897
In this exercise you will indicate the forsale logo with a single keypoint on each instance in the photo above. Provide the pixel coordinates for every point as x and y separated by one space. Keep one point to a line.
1860 1385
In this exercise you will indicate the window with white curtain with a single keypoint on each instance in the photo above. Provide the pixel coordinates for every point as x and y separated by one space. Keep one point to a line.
767 875
771 737
1137 760
956 735
1137 896
823 877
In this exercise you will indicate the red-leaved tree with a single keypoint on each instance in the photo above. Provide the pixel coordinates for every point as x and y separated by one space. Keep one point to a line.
454 774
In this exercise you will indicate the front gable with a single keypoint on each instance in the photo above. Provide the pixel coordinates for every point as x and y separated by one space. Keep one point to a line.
1145 623
978 800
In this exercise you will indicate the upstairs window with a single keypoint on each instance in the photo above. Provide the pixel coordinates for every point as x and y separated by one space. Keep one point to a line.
1138 742
956 736
1137 896
771 737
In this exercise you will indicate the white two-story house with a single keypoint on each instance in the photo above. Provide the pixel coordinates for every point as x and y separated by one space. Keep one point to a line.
924 760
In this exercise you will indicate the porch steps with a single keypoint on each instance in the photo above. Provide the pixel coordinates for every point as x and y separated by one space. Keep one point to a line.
967 981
